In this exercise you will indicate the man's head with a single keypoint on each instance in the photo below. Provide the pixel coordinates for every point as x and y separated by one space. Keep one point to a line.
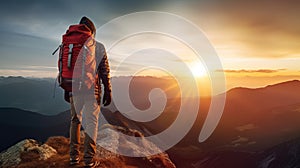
86 21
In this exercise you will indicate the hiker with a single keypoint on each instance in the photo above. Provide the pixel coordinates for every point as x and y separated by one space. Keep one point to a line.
85 99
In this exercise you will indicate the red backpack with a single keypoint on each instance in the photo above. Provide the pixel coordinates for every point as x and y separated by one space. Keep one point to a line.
77 49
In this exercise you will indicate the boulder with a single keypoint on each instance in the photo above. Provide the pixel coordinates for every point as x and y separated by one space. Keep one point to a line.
13 155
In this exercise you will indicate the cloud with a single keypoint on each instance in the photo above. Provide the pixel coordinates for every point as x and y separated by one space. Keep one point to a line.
258 81
261 29
19 50
31 29
252 71
68 11
28 73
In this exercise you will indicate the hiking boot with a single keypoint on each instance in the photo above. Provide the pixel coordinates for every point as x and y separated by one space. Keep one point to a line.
74 161
92 164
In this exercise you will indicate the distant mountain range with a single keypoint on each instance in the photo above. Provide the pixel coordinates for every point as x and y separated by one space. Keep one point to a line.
258 127
43 96
32 94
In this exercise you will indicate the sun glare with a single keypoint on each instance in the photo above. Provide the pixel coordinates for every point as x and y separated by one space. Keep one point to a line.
198 70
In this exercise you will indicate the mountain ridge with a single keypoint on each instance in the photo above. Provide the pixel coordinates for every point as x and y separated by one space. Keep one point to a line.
280 84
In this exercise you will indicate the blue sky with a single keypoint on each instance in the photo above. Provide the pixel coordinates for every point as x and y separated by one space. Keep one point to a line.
31 30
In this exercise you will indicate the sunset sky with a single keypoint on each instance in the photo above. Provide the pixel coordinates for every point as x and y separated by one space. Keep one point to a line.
258 42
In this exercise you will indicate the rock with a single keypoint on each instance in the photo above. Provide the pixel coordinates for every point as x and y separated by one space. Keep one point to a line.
12 156
114 139
108 138
60 144
110 142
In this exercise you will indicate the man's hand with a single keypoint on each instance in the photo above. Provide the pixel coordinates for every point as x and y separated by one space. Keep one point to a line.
106 98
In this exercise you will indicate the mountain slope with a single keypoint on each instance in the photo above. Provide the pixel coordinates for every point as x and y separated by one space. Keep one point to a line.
256 115
20 124
259 99
285 155
253 120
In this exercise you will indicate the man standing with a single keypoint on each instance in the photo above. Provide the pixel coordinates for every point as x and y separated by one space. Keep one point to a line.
85 103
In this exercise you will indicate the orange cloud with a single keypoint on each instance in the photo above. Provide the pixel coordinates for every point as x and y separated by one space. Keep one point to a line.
252 71
254 29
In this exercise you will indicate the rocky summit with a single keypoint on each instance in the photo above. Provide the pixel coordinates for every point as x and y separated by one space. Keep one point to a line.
55 152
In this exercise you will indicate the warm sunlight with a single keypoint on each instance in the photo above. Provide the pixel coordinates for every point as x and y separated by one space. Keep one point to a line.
197 69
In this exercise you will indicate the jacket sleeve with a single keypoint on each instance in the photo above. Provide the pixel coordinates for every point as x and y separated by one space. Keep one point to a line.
103 70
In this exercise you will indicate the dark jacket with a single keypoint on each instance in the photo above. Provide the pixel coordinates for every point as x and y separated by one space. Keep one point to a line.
102 73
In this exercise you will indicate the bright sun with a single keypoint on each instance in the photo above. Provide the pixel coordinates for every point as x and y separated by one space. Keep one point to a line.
198 70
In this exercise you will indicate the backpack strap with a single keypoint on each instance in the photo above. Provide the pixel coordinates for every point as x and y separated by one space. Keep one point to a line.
85 50
60 62
56 49
70 55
